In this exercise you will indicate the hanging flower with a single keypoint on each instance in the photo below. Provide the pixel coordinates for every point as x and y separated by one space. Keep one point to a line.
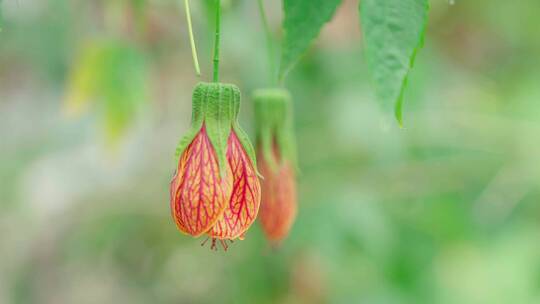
277 158
215 189
279 208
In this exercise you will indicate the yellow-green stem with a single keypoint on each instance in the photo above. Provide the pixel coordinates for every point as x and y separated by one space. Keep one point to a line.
192 39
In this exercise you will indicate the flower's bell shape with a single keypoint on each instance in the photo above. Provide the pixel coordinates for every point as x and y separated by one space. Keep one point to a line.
276 150
215 190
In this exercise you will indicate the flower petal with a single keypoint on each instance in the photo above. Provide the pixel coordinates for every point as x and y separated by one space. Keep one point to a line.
245 197
199 194
278 204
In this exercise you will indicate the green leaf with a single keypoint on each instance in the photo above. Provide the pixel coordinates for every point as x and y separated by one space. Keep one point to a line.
302 24
393 33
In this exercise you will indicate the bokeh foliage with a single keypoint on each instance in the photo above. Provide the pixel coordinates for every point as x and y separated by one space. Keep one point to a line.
443 211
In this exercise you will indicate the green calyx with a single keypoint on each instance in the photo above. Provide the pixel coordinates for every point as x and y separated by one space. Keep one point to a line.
274 124
216 106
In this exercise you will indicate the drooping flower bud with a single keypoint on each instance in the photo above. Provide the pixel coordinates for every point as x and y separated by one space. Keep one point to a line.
215 189
276 150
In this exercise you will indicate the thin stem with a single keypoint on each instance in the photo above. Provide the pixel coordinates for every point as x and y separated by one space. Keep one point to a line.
216 40
192 39
269 42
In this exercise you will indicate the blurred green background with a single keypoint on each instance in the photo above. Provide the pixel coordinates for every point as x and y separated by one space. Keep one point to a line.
94 96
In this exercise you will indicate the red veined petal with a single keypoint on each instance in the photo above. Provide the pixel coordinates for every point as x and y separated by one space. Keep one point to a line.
278 203
198 193
245 196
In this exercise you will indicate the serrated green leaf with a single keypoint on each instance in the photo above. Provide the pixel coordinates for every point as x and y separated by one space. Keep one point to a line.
302 24
393 33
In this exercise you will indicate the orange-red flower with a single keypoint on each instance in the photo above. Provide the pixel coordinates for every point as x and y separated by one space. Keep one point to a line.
215 189
278 204
277 160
